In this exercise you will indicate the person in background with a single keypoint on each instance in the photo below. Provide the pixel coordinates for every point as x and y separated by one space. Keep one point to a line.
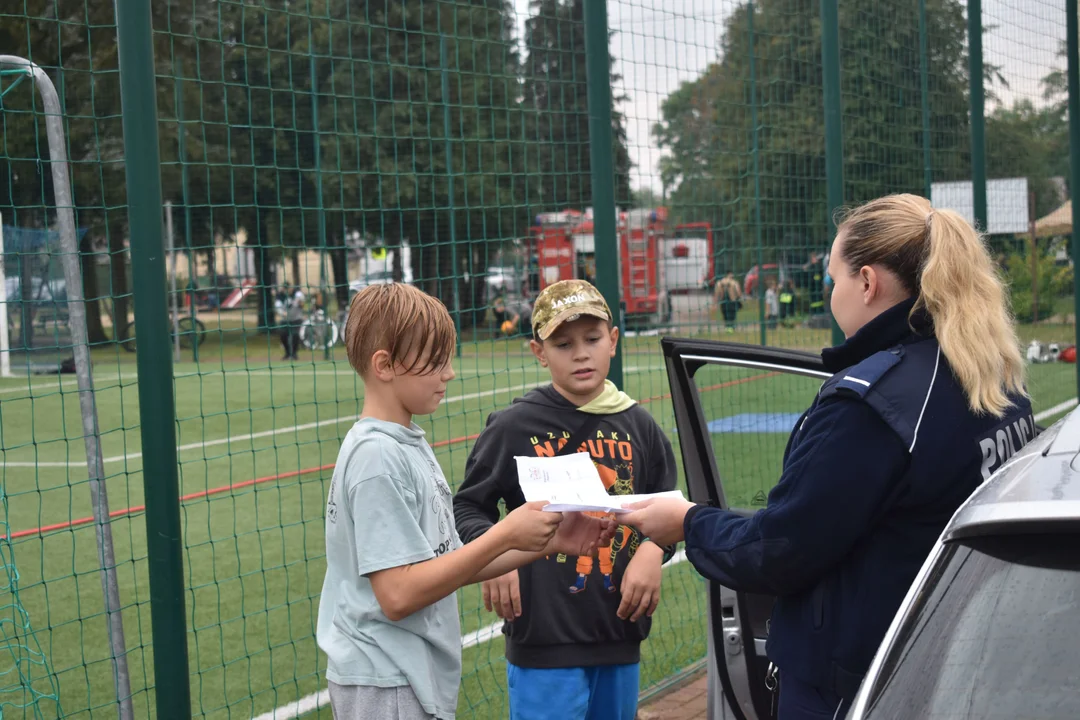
828 279
928 386
772 303
816 272
294 318
282 307
787 301
513 316
728 297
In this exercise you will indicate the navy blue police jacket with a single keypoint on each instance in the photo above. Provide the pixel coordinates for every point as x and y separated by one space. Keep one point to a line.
873 471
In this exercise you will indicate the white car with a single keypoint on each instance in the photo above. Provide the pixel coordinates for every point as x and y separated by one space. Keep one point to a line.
502 280
990 627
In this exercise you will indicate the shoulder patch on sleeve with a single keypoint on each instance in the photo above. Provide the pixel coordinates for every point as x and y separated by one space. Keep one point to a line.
859 379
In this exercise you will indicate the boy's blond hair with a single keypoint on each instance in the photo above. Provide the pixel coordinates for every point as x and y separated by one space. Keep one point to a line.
403 321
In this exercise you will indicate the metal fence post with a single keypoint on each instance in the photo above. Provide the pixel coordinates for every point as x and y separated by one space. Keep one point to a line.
174 311
834 129
193 267
5 355
95 464
924 84
755 135
978 119
157 407
1073 50
601 143
445 87
321 211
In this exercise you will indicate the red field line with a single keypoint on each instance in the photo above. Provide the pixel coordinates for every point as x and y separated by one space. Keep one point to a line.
307 471
183 498
718 386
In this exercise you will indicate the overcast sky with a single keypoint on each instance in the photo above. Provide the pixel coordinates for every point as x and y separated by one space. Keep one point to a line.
661 43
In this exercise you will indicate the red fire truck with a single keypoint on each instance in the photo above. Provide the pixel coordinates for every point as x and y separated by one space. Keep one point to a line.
564 247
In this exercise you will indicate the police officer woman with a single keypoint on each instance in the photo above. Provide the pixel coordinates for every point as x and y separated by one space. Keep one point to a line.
894 442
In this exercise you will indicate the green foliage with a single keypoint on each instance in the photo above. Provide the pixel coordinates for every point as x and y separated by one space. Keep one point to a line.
299 126
706 125
1032 142
1054 281
556 90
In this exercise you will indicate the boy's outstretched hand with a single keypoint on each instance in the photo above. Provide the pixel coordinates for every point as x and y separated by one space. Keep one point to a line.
529 528
502 595
581 534
640 585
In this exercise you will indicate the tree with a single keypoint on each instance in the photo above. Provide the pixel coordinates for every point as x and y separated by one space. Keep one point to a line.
1054 282
646 197
71 41
690 129
720 167
1025 141
1032 141
381 131
556 94
75 42
1056 83
300 124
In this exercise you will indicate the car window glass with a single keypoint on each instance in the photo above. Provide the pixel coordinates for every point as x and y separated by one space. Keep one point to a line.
997 635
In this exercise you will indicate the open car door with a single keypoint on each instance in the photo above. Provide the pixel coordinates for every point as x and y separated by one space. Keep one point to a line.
735 406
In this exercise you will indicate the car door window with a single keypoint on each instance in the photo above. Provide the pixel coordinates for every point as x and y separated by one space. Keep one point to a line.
749 414
735 407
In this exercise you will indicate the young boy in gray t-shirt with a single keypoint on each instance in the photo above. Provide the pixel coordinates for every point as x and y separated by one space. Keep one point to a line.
388 617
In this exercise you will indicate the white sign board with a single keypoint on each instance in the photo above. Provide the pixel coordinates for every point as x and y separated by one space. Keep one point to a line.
1006 203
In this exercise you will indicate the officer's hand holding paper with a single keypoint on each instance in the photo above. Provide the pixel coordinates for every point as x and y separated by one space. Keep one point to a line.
571 483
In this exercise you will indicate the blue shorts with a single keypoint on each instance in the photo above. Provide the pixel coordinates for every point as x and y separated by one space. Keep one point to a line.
604 692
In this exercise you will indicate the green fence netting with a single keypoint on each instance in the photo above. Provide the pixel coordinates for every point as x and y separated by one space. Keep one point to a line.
311 148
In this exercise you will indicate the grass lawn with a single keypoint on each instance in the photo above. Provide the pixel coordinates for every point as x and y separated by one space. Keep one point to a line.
254 553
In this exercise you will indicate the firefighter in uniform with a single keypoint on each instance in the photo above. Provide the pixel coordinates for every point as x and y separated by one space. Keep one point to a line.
816 271
787 301
927 400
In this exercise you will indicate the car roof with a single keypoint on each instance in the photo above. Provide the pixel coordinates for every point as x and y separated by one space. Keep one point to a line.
1037 488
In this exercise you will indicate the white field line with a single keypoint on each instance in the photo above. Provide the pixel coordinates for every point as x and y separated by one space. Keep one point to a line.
269 433
280 372
316 700
65 380
277 431
1051 412
284 372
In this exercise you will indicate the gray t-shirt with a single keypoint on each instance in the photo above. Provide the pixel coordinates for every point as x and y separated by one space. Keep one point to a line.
388 506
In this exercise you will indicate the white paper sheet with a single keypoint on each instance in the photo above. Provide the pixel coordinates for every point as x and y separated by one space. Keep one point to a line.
571 482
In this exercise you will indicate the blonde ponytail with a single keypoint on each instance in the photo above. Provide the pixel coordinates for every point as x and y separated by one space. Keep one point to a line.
940 258
962 292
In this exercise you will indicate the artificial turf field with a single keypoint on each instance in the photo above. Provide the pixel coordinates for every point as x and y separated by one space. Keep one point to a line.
258 438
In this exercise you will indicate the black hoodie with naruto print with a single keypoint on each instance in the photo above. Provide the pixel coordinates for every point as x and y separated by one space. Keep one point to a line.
568 604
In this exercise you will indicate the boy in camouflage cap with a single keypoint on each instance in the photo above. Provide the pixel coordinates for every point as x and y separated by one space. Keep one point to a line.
566 301
572 640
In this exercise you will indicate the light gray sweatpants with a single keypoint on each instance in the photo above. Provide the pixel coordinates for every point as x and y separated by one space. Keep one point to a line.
364 702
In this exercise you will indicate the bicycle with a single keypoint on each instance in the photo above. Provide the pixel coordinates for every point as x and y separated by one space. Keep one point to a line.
190 331
318 331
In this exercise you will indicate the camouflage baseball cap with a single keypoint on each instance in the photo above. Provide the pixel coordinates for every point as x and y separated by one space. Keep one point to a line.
565 301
